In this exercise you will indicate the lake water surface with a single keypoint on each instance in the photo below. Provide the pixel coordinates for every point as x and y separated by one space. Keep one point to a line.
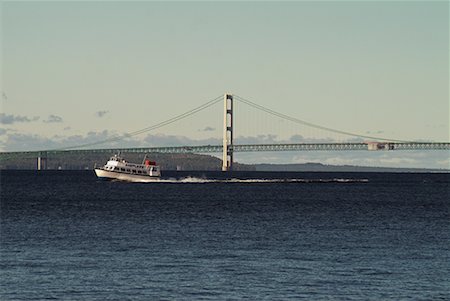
204 235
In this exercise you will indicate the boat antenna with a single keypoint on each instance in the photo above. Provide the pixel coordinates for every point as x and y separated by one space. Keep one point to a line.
145 157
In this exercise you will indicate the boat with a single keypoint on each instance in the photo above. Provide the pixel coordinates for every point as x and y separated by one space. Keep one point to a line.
118 169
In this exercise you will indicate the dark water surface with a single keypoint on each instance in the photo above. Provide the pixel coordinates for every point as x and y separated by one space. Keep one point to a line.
314 236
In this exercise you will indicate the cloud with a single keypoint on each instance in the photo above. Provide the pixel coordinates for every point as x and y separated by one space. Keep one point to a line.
374 132
3 131
10 119
409 159
67 128
174 140
273 139
445 162
53 119
100 114
207 129
301 139
260 139
25 142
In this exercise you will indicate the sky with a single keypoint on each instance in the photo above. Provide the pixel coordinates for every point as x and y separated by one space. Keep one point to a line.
77 72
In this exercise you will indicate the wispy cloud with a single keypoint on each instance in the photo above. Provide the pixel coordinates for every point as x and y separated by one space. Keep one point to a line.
23 141
10 119
174 140
53 119
375 132
207 129
270 139
100 114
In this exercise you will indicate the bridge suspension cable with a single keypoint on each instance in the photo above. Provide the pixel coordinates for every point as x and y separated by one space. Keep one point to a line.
299 121
153 127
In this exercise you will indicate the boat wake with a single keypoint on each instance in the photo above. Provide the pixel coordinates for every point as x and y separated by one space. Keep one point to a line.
196 180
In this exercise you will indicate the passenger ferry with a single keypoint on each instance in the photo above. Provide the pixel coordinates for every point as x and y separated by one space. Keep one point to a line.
119 169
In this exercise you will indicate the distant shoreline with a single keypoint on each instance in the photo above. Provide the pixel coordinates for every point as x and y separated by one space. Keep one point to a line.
195 162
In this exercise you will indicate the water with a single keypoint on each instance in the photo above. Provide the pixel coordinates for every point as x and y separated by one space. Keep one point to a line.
313 236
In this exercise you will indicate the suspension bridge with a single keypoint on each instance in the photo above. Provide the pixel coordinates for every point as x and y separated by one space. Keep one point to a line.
228 147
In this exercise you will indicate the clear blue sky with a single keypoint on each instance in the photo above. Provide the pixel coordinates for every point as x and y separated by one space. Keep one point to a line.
74 71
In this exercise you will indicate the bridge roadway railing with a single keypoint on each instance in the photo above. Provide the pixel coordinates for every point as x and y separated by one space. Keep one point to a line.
299 147
341 146
239 148
421 146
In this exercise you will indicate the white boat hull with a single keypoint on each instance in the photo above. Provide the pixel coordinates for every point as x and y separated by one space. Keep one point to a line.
112 175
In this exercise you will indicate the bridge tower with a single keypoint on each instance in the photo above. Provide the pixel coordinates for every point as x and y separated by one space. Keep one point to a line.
227 157
42 161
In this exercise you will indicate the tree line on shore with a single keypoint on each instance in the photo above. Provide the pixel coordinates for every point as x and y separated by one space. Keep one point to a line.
68 161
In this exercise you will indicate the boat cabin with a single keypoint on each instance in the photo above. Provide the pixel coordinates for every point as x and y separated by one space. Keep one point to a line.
119 165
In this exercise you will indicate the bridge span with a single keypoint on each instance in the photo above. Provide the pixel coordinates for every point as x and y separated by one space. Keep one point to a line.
228 147
366 146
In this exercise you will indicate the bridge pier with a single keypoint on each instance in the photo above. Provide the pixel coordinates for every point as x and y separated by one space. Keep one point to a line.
227 151
42 161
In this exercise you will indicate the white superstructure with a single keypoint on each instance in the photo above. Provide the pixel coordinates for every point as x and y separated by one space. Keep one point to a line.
119 169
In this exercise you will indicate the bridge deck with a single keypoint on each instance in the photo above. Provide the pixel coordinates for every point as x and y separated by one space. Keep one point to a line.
240 148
